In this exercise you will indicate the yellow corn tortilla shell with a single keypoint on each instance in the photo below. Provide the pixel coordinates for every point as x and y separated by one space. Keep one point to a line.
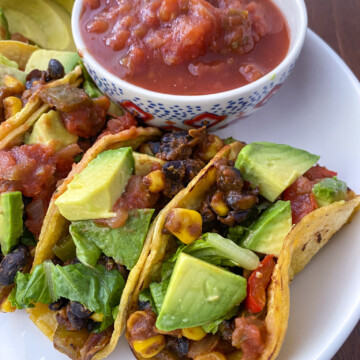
12 130
56 226
17 51
300 245
315 230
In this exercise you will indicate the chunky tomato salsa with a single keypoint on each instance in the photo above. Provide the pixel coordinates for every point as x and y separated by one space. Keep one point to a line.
185 47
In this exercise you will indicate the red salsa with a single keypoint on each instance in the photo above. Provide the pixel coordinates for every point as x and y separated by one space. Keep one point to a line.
185 47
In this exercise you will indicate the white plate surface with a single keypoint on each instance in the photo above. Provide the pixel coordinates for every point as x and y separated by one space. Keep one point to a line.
318 109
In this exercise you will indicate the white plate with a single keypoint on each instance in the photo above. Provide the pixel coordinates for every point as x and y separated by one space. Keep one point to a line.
318 109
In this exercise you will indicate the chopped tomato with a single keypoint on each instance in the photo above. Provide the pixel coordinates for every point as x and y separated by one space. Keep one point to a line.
118 124
257 284
301 198
319 172
249 336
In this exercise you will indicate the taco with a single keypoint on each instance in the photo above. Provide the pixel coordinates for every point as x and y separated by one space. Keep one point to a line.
48 120
216 283
105 236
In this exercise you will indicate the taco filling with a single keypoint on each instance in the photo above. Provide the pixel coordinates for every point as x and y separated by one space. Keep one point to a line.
220 245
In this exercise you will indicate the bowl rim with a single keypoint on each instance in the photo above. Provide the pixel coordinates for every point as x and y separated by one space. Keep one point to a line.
192 99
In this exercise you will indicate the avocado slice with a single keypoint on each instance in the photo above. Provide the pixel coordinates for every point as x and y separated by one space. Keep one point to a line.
67 4
11 220
198 293
273 167
39 59
44 22
93 192
329 190
268 233
50 130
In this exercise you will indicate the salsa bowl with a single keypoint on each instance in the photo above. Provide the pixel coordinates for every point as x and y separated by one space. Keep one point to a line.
215 111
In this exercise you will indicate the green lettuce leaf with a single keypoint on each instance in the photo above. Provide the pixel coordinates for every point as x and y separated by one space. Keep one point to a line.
158 291
96 288
123 244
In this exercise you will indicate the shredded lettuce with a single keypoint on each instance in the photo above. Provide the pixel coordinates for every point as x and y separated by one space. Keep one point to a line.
123 244
213 326
96 288
145 296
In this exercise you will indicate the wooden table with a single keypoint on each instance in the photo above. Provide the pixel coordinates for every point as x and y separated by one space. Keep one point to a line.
338 23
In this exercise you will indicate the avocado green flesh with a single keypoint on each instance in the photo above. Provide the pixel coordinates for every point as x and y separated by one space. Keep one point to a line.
49 130
44 22
273 167
268 233
11 221
329 190
39 59
198 293
93 192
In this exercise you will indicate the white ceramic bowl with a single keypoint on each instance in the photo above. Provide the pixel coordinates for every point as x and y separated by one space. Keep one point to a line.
216 111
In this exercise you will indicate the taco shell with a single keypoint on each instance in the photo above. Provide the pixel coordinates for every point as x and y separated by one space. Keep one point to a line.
55 227
301 244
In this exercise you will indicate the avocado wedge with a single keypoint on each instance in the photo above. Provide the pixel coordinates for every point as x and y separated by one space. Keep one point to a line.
45 23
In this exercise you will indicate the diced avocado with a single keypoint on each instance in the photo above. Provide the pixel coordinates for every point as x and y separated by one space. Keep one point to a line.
329 190
198 293
9 70
65 249
93 192
273 167
268 233
39 59
50 130
44 22
4 27
11 221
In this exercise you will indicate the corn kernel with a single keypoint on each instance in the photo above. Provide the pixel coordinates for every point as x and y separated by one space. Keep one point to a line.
237 355
12 105
185 224
149 347
155 181
194 333
214 355
14 84
7 307
97 317
218 204
210 147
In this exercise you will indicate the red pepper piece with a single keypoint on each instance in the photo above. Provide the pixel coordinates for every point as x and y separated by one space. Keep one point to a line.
257 284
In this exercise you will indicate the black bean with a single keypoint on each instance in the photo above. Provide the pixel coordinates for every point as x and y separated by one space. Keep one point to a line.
183 345
245 217
79 310
55 70
174 170
91 325
12 263
154 147
76 322
34 75
57 305
142 305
